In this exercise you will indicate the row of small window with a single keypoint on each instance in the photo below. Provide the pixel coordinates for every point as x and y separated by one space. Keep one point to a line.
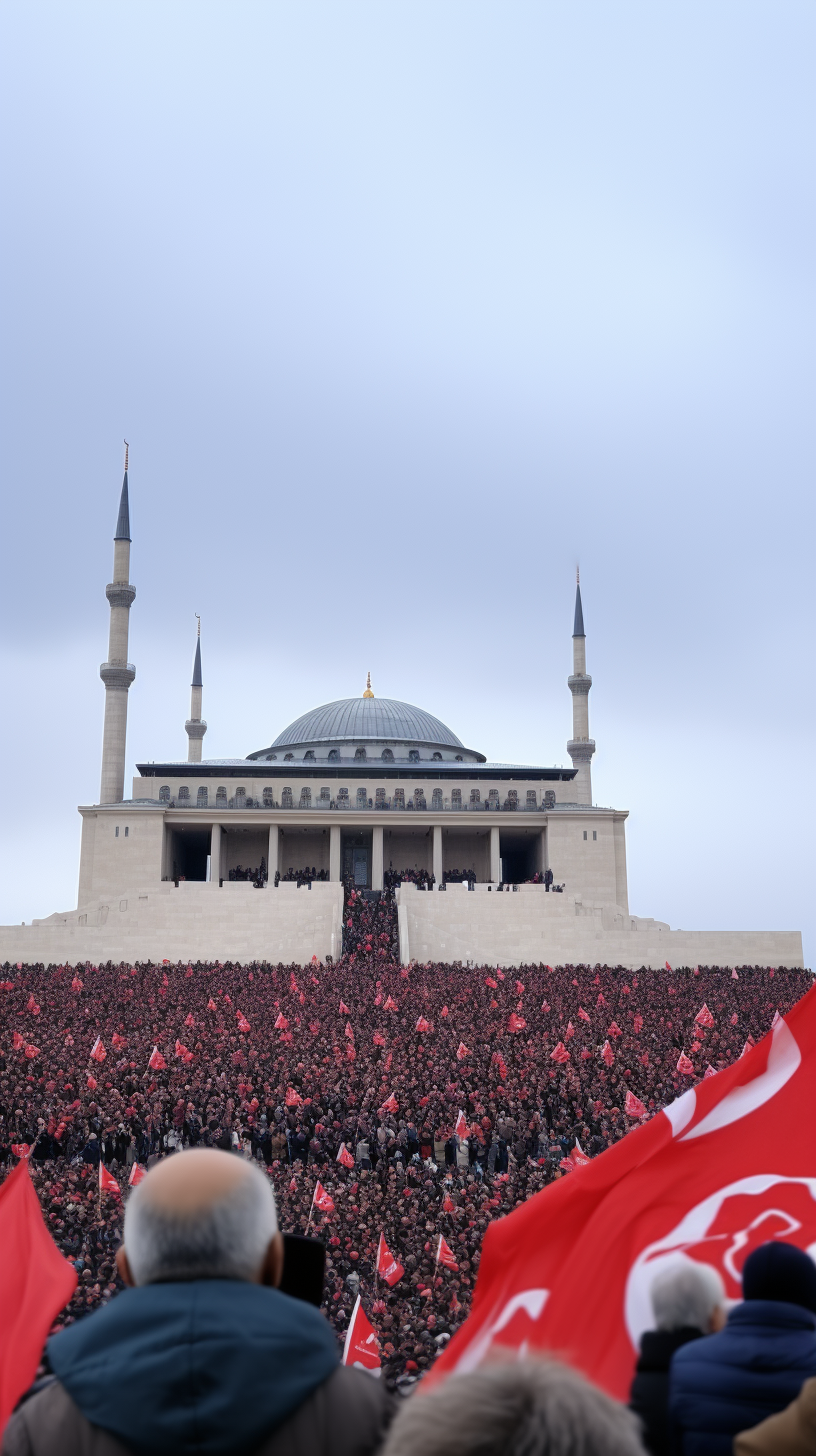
594 834
287 802
117 831
360 755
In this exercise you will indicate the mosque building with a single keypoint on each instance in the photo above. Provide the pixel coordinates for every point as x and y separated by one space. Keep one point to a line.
247 858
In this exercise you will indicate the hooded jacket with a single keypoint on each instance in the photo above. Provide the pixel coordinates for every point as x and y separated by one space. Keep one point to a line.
209 1366
728 1382
649 1395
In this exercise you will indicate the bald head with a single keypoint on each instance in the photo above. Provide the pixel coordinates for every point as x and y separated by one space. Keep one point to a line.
202 1214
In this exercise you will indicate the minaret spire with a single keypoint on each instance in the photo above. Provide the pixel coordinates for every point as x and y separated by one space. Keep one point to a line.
580 747
195 726
117 673
368 693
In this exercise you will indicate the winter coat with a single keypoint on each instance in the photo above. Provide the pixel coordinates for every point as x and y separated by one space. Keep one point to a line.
728 1382
649 1396
213 1366
791 1433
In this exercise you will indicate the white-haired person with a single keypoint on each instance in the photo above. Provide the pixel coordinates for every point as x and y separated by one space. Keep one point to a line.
688 1302
514 1408
201 1352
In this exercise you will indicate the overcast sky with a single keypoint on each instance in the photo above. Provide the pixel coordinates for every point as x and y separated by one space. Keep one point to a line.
405 309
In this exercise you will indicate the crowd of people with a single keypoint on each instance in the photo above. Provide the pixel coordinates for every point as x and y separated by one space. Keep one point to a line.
301 877
423 879
364 1060
256 876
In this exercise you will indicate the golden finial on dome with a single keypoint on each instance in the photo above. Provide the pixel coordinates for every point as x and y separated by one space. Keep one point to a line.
368 693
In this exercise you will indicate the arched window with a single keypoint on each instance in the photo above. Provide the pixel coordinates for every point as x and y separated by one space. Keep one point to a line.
399 798
325 796
270 757
493 796
387 755
287 757
334 755
419 798
437 757
531 799
359 753
459 758
268 799
183 794
362 798
379 798
309 754
343 796
305 798
436 799
202 798
475 796
221 795
456 798
413 755
164 794
549 798
286 799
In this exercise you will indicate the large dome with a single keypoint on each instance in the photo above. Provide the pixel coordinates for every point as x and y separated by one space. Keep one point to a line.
354 720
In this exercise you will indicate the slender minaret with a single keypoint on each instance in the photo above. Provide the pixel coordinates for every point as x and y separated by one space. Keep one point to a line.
117 673
195 726
580 747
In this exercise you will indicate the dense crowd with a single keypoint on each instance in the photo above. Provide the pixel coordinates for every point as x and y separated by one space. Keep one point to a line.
257 876
288 1064
423 879
301 877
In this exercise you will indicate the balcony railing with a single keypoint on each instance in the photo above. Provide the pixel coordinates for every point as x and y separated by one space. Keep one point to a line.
357 806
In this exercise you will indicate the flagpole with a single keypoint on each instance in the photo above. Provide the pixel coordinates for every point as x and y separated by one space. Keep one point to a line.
350 1328
311 1210
438 1251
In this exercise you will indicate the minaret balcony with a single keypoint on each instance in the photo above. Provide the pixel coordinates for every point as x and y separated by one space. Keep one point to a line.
580 684
195 727
117 674
120 594
581 750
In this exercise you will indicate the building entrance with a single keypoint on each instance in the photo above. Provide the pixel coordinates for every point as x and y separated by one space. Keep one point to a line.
357 859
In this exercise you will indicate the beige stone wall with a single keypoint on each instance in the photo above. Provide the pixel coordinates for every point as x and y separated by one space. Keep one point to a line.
303 849
595 866
112 864
191 922
529 927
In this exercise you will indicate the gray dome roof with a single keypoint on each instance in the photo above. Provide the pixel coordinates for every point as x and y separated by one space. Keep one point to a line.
356 719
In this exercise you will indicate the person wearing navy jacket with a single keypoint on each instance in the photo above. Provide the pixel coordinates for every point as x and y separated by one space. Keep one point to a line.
728 1382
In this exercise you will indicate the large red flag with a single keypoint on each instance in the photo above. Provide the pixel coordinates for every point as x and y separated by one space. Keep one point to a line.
345 1157
388 1268
445 1254
322 1199
362 1348
729 1165
35 1283
107 1182
137 1173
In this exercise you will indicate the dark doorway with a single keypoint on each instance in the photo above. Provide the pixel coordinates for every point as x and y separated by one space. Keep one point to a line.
518 857
189 850
356 847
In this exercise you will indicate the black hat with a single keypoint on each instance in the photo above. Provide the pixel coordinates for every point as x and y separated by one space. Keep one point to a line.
780 1271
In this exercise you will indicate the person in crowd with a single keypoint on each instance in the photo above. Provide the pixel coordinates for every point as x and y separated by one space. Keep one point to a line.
790 1433
524 1408
203 1352
687 1302
755 1366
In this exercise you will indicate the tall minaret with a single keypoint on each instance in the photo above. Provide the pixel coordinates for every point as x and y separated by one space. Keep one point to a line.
117 673
195 726
580 747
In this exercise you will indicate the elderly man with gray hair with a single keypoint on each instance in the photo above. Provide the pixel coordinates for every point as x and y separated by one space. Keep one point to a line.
687 1302
202 1352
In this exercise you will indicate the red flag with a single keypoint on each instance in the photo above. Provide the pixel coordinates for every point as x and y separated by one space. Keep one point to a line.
91 1083
349 1032
390 1004
157 1061
584 1015
35 1283
559 1053
685 1066
183 1051
378 1039
633 1107
444 1254
668 967
706 1180
570 1031
189 1019
32 1052
704 1017
22 1150
444 1011
322 1199
423 1025
293 1098
17 1040
211 1006
519 988
243 1024
118 1042
107 1182
388 1268
516 1023
490 982
448 1204
137 1173
98 1053
461 1128
32 1006
280 1023
607 1054
614 1030
344 1009
362 1348
344 1156
638 1022
462 1052
390 1104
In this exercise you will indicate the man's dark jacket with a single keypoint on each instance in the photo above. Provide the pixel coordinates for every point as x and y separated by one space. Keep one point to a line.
209 1366
730 1381
649 1396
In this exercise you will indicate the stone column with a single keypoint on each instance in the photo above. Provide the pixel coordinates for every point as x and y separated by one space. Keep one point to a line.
437 854
377 857
541 851
494 853
334 853
215 855
272 858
